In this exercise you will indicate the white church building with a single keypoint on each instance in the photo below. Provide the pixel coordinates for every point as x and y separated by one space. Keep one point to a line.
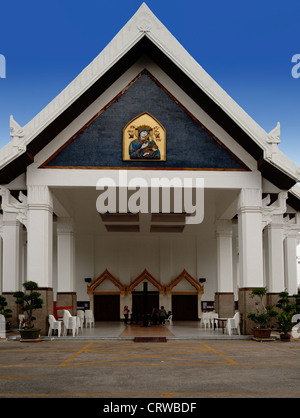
143 170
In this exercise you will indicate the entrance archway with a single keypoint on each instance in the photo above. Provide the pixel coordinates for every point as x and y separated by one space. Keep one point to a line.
154 289
106 297
185 293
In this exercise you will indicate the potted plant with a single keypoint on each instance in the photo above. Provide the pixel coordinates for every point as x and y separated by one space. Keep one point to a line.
5 312
284 319
29 301
263 315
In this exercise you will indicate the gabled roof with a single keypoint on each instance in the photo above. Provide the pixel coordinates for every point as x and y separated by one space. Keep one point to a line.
105 275
145 34
145 275
184 275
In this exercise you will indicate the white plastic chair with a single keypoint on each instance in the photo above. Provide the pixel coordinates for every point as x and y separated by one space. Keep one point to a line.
205 319
78 323
170 319
70 322
21 318
212 317
233 323
80 314
89 318
54 324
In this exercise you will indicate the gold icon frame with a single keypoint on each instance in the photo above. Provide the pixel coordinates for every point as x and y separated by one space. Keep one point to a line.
157 131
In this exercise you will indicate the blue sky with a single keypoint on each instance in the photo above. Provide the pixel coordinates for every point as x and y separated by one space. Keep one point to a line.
247 47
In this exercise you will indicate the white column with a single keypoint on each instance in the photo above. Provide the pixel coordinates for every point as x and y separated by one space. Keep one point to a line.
250 238
65 255
298 259
12 239
290 252
275 256
235 258
224 255
40 236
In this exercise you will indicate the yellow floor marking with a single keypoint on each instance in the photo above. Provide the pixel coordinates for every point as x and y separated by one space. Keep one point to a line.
161 356
114 363
76 354
167 350
161 364
219 354
141 365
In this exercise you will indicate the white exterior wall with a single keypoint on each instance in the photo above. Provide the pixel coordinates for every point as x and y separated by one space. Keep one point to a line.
126 256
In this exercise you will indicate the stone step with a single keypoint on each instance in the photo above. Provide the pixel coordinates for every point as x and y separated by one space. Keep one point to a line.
150 340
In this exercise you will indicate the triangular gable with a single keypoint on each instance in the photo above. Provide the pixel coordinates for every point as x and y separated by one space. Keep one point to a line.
104 276
145 276
188 143
145 34
185 276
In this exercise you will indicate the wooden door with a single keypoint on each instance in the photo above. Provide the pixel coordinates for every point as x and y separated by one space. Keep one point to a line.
185 307
107 307
138 301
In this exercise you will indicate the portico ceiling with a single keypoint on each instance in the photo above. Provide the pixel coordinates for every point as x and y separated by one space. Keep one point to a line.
80 204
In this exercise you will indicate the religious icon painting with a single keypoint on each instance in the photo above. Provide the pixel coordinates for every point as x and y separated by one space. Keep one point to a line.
144 138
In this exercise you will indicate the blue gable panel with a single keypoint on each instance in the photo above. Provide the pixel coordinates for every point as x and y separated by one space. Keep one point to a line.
188 144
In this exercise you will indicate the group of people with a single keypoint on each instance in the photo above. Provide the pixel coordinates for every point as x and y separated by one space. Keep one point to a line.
158 316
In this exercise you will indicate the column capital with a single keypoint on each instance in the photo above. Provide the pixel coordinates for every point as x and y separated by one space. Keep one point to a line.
65 225
291 226
277 222
39 198
223 227
10 219
250 200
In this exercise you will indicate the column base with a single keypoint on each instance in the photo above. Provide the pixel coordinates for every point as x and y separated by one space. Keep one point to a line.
224 304
67 299
11 304
247 305
42 315
41 322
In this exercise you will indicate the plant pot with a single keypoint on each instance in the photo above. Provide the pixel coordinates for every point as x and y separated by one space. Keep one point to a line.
30 334
262 332
285 337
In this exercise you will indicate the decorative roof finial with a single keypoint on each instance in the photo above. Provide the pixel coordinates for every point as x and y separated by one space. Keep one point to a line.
274 135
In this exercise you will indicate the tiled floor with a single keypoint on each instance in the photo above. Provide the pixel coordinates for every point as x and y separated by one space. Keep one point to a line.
179 330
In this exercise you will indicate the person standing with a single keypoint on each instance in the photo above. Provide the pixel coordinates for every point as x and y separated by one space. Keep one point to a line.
162 315
126 314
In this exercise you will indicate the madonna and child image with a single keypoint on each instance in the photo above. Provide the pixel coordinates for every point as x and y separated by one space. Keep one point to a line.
144 146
